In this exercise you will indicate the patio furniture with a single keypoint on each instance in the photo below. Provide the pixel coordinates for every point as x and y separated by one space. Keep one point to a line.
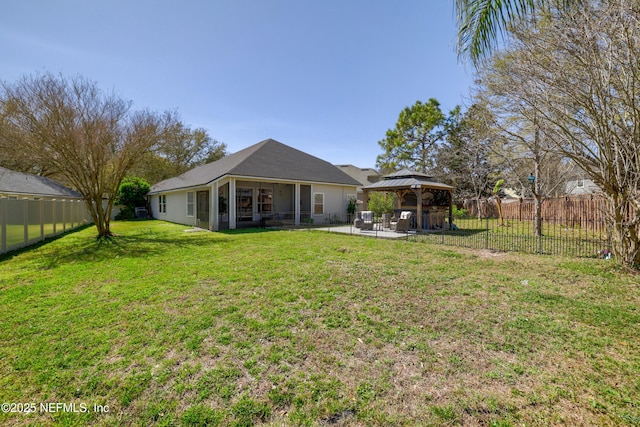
404 222
386 221
357 223
367 220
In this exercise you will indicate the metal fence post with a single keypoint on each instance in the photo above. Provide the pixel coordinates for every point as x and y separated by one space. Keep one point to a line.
486 237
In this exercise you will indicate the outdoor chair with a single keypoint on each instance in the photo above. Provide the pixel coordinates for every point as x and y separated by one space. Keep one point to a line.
367 220
404 223
357 223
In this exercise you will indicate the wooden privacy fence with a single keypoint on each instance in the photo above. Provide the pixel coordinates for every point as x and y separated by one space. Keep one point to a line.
24 222
586 212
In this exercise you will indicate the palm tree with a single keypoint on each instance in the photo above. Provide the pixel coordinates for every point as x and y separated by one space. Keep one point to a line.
480 22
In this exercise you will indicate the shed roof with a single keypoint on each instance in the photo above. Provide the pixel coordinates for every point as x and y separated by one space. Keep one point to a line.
19 183
266 159
406 179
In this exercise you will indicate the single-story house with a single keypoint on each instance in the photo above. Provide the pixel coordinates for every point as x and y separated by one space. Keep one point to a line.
266 183
18 185
429 201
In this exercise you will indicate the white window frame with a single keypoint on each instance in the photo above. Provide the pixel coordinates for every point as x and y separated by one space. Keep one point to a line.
191 204
315 204
162 203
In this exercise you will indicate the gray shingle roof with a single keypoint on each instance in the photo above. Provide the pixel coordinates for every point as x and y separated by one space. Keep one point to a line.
406 179
26 184
266 159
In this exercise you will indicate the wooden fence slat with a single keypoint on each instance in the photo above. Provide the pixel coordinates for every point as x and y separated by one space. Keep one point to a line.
586 212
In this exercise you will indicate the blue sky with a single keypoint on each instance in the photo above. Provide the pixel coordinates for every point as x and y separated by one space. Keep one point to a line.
327 77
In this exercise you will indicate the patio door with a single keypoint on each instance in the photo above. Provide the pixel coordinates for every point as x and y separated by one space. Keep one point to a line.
305 202
244 203
202 209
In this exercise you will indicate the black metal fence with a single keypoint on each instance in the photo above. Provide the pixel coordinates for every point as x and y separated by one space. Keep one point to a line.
587 238
555 237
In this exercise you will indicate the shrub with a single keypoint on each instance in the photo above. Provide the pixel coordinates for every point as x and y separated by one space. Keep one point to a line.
132 193
381 203
459 213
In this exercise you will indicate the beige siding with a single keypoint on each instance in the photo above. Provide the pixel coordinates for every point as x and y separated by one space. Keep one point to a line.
176 208
335 201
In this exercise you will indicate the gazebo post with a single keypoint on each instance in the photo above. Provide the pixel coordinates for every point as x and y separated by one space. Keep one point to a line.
450 209
417 189
365 199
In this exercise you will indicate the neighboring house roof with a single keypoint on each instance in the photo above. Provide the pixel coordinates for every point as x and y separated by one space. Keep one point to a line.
267 159
365 176
19 183
406 179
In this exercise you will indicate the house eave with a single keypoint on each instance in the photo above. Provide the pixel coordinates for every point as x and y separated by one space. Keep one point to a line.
248 178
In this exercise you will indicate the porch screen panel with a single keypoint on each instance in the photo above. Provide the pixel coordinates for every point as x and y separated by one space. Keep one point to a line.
76 213
34 219
15 222
244 204
68 215
59 216
265 201
47 216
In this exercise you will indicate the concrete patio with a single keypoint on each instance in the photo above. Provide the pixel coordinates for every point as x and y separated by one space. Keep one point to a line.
378 233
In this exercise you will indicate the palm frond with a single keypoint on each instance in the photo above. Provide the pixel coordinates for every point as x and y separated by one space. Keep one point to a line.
481 22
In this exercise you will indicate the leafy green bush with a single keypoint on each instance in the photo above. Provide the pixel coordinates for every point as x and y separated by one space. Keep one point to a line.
459 213
381 203
132 193
351 206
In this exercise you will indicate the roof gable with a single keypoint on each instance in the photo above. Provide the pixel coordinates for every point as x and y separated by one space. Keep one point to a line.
267 159
33 185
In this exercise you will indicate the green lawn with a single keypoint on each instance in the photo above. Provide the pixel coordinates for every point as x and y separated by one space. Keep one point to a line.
165 327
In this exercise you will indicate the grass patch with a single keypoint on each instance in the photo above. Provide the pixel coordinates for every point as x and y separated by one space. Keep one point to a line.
162 327
518 236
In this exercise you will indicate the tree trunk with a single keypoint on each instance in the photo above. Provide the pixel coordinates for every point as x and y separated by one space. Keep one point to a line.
625 237
537 213
499 206
100 216
537 216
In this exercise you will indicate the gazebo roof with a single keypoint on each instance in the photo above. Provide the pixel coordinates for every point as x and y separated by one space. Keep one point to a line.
406 179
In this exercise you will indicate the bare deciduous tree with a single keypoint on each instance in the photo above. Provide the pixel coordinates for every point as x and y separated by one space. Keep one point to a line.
580 72
519 139
89 137
465 160
180 149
